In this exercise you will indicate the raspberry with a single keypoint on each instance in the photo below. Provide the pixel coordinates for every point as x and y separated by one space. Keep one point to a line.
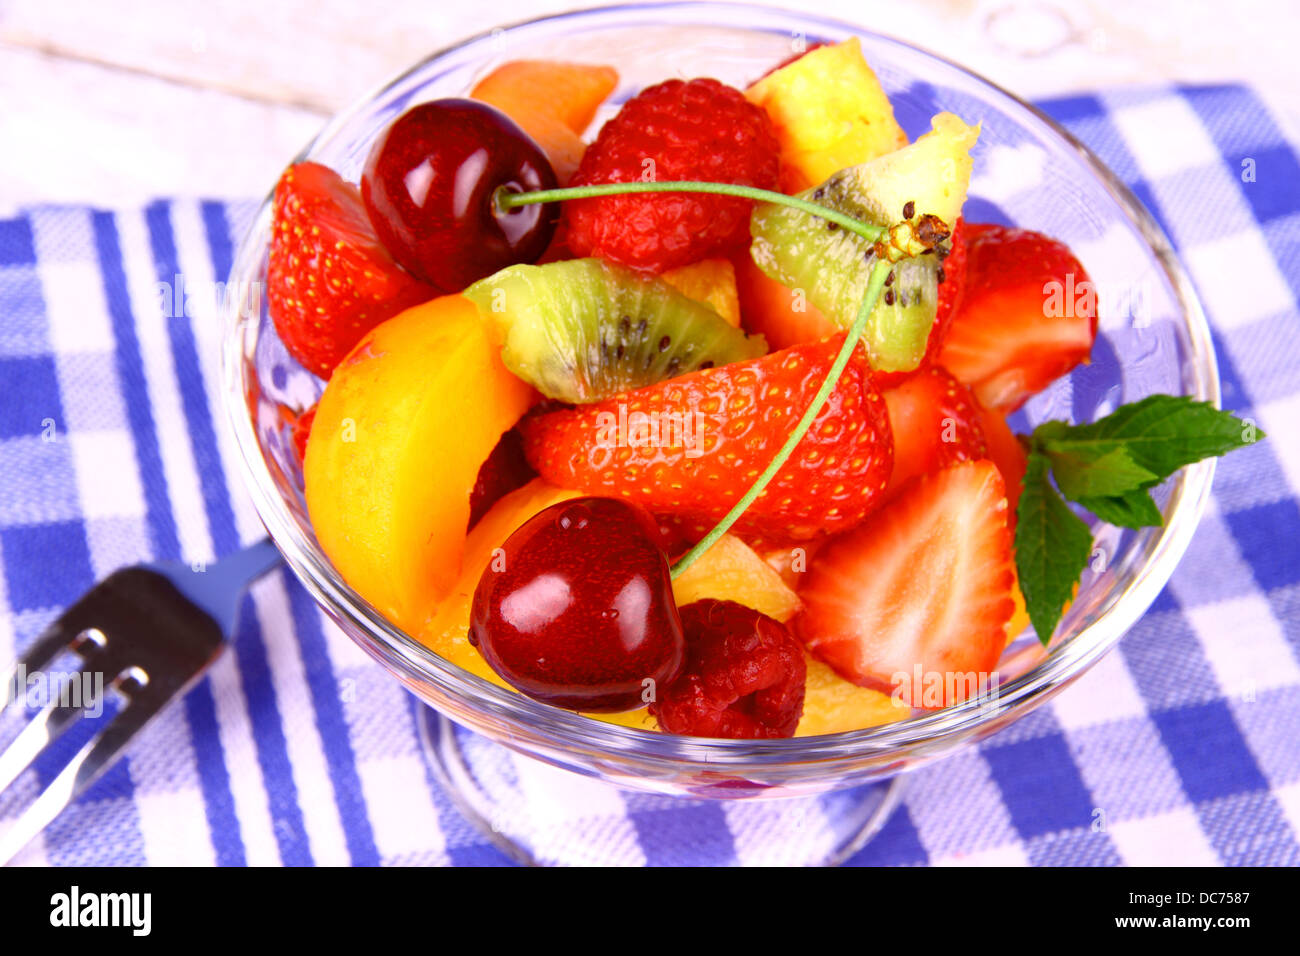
743 677
701 130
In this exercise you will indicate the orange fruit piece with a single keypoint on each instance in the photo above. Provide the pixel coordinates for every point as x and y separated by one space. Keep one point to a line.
832 705
400 433
780 314
553 101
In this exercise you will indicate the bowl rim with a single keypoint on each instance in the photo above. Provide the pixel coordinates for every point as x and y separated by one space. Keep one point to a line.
415 664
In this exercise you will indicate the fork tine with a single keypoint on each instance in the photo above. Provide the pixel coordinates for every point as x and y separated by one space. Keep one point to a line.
82 770
43 730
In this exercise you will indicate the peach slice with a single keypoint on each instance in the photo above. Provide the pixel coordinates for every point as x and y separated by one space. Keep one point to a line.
553 101
832 705
780 314
400 433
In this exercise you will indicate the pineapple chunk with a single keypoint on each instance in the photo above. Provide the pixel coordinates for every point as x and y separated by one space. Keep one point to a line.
829 111
711 281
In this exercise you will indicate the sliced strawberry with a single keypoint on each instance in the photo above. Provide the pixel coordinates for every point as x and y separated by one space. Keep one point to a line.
1005 451
329 281
936 423
1028 316
691 446
915 601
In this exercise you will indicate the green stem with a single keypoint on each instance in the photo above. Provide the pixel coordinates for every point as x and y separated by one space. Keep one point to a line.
879 272
507 200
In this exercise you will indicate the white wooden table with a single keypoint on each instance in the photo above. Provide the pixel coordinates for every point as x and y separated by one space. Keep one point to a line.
115 102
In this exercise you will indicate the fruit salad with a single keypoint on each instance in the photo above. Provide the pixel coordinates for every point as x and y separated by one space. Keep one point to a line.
697 422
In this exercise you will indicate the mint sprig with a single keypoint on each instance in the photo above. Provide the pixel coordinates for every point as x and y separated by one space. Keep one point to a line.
1107 467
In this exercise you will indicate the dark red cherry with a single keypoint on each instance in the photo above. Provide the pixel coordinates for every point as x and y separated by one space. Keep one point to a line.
577 609
428 187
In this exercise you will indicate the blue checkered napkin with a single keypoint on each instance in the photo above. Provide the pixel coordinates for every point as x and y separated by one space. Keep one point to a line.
1185 743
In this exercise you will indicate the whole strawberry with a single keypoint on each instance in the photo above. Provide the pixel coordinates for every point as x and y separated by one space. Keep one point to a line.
329 281
691 446
696 130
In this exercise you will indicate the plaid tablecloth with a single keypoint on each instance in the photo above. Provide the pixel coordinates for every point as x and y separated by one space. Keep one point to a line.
296 749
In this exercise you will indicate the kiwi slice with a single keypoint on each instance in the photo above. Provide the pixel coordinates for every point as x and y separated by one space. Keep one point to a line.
584 329
832 265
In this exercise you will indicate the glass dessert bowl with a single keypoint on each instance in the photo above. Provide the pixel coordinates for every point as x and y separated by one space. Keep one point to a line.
1152 338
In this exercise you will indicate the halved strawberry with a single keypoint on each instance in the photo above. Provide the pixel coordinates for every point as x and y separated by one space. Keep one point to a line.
915 601
1028 316
1005 451
329 281
936 423
689 447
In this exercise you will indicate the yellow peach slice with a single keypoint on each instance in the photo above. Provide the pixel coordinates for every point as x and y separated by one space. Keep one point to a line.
400 433
553 102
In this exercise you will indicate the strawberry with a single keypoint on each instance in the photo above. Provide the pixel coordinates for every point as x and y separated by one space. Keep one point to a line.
1028 316
936 423
1004 450
329 281
701 130
916 600
690 446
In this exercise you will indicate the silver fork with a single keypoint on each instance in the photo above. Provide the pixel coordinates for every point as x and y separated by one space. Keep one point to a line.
150 632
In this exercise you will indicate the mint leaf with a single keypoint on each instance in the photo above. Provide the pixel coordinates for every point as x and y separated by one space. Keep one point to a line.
1052 547
1161 433
1092 472
1136 509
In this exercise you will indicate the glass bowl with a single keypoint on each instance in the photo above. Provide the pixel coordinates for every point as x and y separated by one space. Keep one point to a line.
1028 171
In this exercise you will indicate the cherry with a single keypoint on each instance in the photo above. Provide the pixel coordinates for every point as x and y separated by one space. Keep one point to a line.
429 187
577 609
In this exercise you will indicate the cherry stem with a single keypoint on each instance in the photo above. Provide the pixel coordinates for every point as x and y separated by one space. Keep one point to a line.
507 200
875 284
